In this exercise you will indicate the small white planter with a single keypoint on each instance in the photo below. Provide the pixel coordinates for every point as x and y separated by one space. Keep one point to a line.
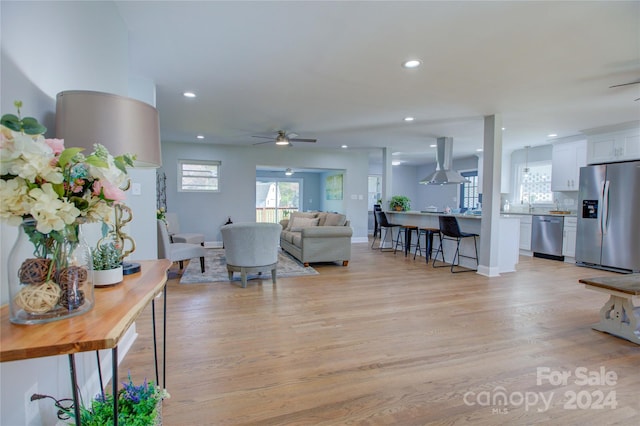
108 277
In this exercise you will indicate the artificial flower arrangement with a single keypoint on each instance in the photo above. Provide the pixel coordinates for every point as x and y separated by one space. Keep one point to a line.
137 406
49 190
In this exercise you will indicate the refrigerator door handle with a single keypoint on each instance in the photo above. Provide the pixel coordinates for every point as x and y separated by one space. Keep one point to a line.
605 208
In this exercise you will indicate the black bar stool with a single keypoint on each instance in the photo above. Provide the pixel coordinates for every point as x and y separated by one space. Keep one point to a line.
428 242
407 230
383 223
376 226
450 230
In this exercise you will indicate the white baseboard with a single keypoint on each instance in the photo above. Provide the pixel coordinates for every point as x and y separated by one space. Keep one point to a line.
488 271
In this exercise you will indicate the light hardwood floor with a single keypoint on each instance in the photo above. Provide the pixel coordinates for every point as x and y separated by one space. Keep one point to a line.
389 340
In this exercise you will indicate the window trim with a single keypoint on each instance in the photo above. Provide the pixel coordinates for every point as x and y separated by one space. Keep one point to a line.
182 162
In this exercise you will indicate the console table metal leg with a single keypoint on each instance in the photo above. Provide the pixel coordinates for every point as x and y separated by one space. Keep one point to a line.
155 349
114 379
100 374
164 340
74 388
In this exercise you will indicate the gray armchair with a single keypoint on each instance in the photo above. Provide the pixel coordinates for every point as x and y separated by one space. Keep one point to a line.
177 252
251 247
175 236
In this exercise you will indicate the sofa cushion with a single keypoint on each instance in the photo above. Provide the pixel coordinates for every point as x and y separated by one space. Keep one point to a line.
297 223
293 215
335 219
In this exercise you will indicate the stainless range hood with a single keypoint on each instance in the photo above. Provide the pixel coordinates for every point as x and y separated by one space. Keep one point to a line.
444 173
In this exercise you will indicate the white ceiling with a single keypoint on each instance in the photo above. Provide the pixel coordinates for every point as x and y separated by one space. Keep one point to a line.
332 70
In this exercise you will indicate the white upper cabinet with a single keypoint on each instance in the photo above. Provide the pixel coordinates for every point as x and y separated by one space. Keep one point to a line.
566 160
611 147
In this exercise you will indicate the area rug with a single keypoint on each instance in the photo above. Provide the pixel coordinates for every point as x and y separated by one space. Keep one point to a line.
216 269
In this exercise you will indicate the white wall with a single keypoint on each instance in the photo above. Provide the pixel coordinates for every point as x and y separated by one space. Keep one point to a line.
49 47
205 213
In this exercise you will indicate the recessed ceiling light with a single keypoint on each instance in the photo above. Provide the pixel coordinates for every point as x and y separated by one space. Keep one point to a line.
552 135
344 146
411 63
504 128
200 137
433 145
479 150
409 119
189 95
396 163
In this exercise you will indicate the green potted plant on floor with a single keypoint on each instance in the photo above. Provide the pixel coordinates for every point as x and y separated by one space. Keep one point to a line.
107 264
137 406
400 203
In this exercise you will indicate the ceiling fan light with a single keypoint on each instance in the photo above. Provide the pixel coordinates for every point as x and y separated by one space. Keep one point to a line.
282 142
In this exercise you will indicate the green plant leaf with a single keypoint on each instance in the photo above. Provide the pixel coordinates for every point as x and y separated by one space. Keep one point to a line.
94 160
31 126
11 121
67 155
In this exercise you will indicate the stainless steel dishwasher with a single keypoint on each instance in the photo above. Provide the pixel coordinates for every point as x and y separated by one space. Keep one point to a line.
546 236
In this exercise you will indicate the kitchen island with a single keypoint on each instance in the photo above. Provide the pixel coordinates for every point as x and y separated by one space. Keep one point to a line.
507 246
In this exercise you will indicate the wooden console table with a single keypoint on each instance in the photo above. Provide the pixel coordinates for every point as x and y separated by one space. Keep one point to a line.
618 316
115 309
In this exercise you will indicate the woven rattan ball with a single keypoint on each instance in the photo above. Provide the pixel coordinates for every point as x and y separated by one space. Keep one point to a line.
34 271
72 300
38 298
72 276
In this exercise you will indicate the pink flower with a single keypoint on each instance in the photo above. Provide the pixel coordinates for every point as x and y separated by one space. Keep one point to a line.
56 145
109 191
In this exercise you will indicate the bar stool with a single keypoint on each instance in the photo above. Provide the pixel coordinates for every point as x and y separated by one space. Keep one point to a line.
376 227
428 242
407 230
450 230
383 223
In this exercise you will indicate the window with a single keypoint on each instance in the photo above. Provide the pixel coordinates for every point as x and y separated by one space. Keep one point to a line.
469 191
534 187
198 176
277 198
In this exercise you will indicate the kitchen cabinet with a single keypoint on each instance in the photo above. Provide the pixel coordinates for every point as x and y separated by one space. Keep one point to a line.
611 147
569 237
566 160
525 232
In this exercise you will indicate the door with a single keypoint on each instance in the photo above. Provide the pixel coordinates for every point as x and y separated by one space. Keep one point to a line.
589 232
277 198
621 226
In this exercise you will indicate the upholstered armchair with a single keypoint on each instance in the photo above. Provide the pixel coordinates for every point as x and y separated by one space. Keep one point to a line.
175 236
177 252
251 247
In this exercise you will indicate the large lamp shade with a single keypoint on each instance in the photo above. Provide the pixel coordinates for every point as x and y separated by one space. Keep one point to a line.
122 125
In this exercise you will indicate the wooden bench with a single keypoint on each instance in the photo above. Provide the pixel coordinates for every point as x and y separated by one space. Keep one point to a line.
618 316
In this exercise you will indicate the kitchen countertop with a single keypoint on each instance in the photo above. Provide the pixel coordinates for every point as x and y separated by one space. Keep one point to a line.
540 213
418 212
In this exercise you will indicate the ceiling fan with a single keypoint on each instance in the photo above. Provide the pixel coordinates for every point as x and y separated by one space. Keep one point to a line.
626 84
284 138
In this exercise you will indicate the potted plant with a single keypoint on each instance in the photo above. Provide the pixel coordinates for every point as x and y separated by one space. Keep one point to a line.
400 203
107 264
137 405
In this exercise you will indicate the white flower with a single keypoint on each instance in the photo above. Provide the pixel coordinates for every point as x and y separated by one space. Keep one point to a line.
50 212
15 202
29 158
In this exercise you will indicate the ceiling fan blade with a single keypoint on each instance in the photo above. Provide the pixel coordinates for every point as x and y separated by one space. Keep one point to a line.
303 140
625 84
263 137
260 143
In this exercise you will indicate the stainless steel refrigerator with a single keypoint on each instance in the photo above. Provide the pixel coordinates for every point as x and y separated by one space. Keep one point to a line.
608 234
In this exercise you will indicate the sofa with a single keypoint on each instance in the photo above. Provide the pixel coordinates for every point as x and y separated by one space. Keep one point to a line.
317 237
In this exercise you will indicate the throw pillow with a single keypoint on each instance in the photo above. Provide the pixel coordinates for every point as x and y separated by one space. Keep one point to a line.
299 215
302 222
335 219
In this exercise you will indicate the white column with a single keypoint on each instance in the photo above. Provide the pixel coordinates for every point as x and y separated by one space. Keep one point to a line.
488 263
387 172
